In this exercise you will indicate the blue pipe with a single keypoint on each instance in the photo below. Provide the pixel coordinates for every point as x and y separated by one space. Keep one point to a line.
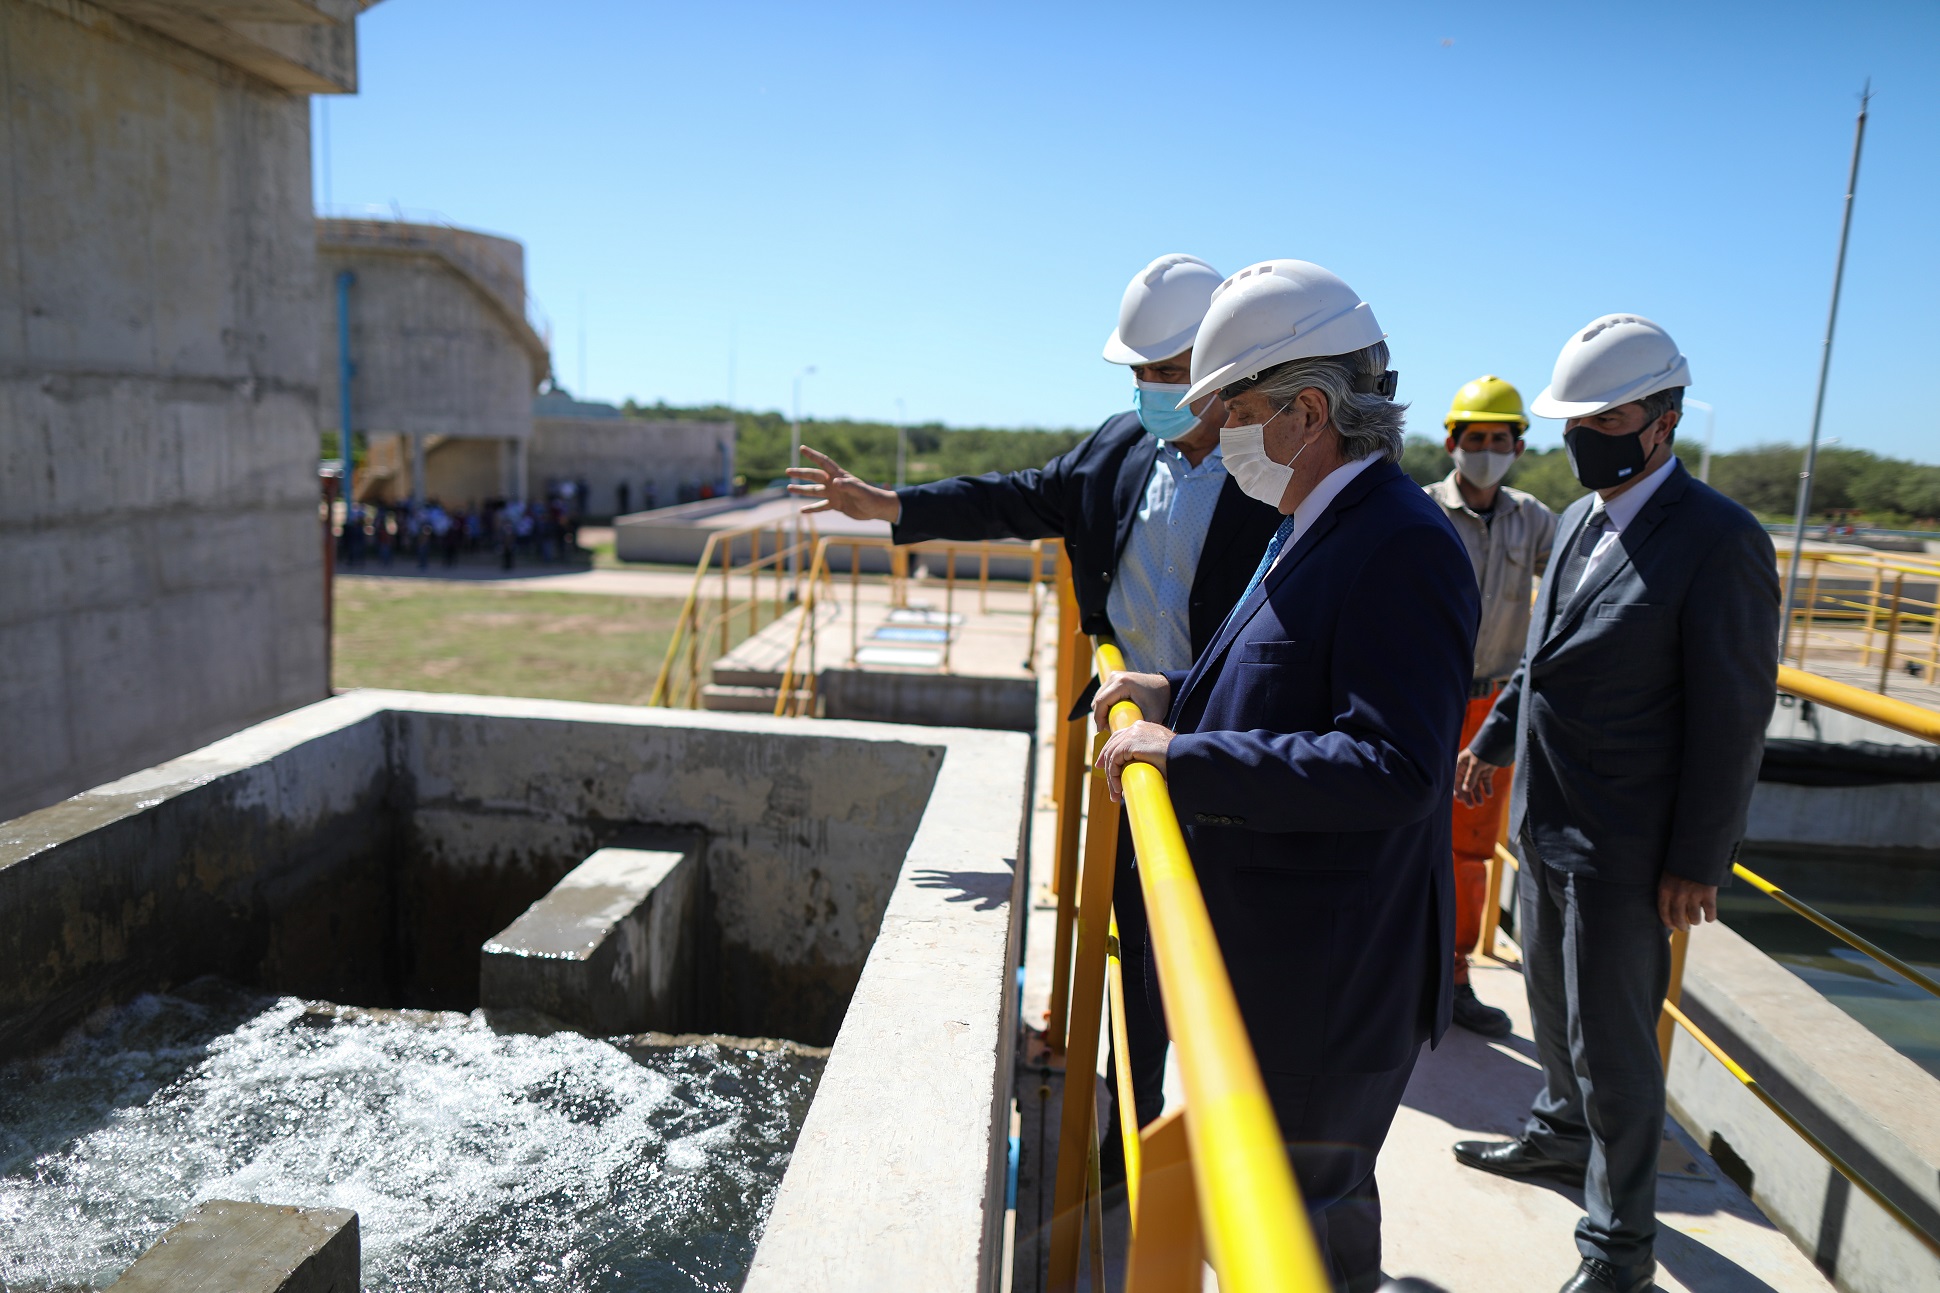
345 447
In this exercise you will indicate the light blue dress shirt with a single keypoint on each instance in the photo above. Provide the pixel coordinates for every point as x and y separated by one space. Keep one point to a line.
1150 599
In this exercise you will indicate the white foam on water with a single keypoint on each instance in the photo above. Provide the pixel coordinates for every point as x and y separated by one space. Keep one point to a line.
474 1160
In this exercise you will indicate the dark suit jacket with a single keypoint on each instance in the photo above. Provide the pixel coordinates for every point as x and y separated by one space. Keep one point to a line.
1090 497
1637 716
1312 774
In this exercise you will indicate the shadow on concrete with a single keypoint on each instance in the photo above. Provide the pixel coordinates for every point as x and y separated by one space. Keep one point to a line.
988 889
1699 1267
1476 1085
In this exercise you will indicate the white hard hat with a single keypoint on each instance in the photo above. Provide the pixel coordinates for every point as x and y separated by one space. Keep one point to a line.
1616 359
1273 312
1160 313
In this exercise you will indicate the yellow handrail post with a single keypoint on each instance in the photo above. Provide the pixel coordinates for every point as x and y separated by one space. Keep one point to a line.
686 622
1067 666
1872 613
983 581
855 601
1811 605
1673 996
1892 631
754 581
727 594
1064 880
1121 1051
1079 1120
1169 1249
1257 1229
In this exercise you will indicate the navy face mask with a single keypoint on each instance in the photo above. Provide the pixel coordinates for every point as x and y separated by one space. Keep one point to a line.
1605 461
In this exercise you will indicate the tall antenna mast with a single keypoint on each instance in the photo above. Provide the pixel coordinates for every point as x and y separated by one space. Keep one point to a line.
1818 401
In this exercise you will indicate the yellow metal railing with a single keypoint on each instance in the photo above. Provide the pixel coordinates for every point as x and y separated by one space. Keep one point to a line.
1215 1175
705 616
800 672
1889 712
1868 625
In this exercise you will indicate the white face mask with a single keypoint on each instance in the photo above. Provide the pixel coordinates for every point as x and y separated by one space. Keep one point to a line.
1244 450
1483 469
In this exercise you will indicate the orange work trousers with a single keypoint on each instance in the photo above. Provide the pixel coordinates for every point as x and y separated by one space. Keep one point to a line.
1476 833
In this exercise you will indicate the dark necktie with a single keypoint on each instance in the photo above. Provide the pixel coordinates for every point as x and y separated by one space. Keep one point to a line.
1579 561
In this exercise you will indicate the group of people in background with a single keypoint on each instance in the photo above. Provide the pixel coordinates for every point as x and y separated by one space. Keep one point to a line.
1355 687
430 532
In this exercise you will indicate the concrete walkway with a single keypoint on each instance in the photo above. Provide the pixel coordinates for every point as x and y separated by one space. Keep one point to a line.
1467 1231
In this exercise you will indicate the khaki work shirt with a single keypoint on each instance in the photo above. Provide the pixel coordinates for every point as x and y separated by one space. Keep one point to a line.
1509 548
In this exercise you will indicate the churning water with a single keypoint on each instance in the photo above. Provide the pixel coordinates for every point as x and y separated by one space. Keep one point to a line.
474 1159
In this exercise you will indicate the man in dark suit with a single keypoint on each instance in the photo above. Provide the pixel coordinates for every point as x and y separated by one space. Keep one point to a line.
1636 722
1306 750
1160 537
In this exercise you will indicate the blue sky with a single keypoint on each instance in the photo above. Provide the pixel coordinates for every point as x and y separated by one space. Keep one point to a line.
942 205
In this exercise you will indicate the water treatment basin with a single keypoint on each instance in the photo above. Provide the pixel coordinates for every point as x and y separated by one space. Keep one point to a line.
327 880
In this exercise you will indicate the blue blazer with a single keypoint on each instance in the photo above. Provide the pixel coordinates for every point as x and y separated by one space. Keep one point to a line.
1313 773
1089 497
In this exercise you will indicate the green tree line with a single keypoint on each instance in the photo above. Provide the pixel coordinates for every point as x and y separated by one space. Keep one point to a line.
869 448
1888 491
1891 492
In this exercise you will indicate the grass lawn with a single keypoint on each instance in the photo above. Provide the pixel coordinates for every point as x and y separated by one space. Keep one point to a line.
427 635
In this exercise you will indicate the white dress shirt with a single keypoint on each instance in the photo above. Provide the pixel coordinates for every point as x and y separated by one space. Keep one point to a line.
1618 513
1323 494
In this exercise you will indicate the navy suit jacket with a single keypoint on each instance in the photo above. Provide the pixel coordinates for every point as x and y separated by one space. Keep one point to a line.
1313 772
1637 716
1090 496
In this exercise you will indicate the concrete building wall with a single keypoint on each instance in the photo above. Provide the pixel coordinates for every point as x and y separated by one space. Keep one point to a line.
158 368
438 331
605 452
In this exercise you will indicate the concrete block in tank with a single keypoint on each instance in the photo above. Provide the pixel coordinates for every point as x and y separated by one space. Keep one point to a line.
251 1248
612 948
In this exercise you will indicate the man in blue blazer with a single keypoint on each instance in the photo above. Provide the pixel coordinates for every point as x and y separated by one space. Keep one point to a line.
1306 750
1161 541
1636 722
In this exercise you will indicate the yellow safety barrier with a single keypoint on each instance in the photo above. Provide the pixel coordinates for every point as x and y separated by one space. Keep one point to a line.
680 689
1888 712
1249 1210
1784 1115
1885 608
1857 701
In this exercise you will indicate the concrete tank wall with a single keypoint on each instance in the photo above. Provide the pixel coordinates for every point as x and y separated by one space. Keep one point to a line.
438 330
864 881
158 381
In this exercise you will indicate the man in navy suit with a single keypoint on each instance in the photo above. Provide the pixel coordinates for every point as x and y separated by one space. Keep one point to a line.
1161 540
1307 748
1636 722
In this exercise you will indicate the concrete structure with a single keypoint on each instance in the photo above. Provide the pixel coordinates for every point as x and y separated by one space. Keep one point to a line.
862 886
626 463
251 1248
1877 1109
444 355
615 947
158 378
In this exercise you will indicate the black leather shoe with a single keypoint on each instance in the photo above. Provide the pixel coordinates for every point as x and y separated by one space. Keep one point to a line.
1516 1158
1598 1276
1471 1014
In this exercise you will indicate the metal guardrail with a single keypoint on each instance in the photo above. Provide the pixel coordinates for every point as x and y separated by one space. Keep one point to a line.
1213 1177
1817 615
1889 712
698 620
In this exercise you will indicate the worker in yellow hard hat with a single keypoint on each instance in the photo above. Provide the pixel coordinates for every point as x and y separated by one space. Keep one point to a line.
1507 534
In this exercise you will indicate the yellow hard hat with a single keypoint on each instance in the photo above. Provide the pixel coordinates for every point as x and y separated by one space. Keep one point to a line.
1486 399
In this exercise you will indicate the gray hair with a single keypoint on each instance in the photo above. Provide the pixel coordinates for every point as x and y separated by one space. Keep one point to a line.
1369 423
1658 403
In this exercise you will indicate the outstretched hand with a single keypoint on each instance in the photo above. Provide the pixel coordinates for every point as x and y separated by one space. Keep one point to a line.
836 489
1474 779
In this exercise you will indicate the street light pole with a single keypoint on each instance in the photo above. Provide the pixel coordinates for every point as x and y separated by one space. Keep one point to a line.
902 445
1825 365
795 460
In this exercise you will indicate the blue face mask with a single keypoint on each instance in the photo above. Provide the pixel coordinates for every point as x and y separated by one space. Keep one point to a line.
1154 402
